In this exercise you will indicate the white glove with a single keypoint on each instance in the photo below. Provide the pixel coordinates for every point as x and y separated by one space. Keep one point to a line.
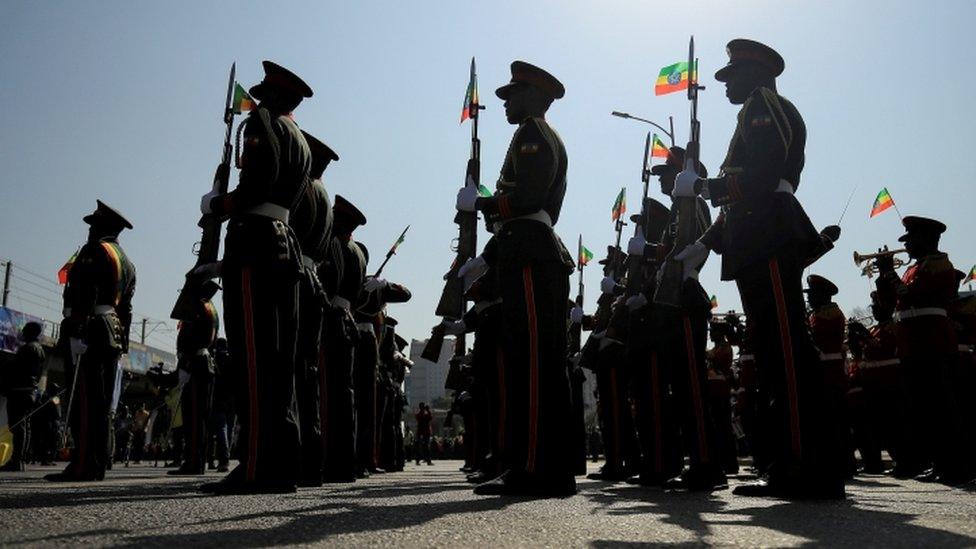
373 283
466 198
636 302
454 327
691 258
636 246
684 184
78 348
576 315
205 201
473 268
608 284
208 271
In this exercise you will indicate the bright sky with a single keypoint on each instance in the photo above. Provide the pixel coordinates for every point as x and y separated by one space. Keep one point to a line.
122 101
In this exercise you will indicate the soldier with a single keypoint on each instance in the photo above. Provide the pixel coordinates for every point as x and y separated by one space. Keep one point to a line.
928 350
260 270
18 383
720 380
681 337
222 410
827 326
765 239
98 312
196 368
533 274
312 222
342 274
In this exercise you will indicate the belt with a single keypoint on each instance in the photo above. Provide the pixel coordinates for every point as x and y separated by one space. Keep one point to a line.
608 341
785 187
747 357
921 311
965 348
365 327
484 304
831 356
103 310
341 302
855 390
541 216
272 210
868 364
202 352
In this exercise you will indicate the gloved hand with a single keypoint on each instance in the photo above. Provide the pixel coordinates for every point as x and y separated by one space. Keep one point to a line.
885 263
608 284
473 268
373 283
453 327
466 198
691 258
205 201
635 246
576 315
684 183
831 233
208 271
635 302
78 348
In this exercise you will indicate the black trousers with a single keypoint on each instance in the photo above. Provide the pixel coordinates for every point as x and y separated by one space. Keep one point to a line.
261 322
616 422
19 404
195 403
660 454
802 422
90 421
307 391
534 312
489 367
364 382
336 409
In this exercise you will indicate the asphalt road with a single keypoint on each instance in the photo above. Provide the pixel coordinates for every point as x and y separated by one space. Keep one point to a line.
432 506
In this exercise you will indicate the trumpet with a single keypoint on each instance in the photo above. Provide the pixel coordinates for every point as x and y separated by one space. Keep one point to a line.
871 269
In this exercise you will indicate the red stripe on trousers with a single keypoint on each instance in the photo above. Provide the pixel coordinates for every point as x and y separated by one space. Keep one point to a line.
615 414
787 343
502 398
696 398
252 376
656 399
82 441
533 367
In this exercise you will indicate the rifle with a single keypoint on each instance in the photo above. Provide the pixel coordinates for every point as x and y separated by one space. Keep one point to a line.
451 304
209 245
618 226
392 252
576 330
669 288
635 271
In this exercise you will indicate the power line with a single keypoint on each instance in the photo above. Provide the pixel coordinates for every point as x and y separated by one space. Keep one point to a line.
16 289
20 267
16 275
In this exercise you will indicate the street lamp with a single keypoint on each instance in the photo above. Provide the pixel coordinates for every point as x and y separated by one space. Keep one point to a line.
668 133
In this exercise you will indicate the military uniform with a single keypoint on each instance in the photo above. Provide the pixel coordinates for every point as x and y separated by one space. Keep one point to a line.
18 383
193 342
98 312
720 380
342 274
765 238
533 270
311 221
262 266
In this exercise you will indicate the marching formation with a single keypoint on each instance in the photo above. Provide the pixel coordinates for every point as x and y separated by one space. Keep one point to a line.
316 368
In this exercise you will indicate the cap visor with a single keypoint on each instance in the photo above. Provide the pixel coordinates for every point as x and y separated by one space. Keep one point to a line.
722 75
506 90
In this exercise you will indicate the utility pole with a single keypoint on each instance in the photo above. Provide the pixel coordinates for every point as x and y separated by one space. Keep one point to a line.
6 282
143 338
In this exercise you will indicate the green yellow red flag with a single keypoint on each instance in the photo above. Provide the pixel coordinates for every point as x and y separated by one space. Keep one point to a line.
714 301
972 274
63 273
619 205
243 102
882 202
672 78
470 106
585 255
658 148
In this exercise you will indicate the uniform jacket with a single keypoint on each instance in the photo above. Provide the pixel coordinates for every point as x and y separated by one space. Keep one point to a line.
929 283
100 275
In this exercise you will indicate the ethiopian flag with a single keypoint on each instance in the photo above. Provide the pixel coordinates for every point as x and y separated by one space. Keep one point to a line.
243 102
882 202
585 255
63 273
659 149
470 106
714 302
672 78
972 274
619 205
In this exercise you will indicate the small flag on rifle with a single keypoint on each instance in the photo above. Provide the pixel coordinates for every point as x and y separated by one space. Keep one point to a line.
619 205
882 202
63 273
714 301
243 102
659 149
483 191
585 255
672 78
972 274
470 107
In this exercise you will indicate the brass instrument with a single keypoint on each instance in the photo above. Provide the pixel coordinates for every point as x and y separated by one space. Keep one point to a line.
871 269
